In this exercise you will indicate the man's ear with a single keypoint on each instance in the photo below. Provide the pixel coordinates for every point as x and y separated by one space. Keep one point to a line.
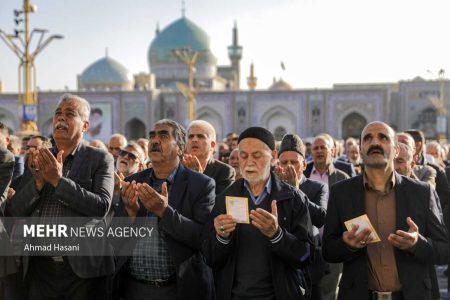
85 126
413 164
397 151
274 154
304 163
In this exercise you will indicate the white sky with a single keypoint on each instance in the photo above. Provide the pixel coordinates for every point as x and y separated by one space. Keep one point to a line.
321 42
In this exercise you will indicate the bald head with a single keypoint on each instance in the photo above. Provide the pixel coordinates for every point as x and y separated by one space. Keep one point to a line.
380 124
378 146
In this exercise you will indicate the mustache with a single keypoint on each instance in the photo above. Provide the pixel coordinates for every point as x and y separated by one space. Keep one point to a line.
123 161
155 148
62 124
375 148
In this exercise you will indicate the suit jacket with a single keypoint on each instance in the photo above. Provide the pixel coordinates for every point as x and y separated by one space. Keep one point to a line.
191 200
334 175
426 174
442 184
347 167
6 170
86 192
413 199
7 263
222 174
19 166
317 193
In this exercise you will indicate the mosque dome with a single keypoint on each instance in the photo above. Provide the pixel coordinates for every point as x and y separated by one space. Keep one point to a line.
182 33
105 73
280 85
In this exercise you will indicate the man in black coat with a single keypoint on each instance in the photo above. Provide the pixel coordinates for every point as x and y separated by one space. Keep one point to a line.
292 164
404 214
259 260
8 269
442 184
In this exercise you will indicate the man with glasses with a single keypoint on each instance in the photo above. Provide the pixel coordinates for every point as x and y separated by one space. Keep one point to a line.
129 161
37 142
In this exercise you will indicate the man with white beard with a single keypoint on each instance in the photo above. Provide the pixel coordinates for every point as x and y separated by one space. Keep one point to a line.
130 159
259 259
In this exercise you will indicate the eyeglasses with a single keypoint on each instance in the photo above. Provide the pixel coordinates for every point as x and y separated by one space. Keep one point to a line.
130 155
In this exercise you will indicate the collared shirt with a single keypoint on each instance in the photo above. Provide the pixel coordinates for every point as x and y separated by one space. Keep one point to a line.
263 194
315 175
381 210
151 259
51 208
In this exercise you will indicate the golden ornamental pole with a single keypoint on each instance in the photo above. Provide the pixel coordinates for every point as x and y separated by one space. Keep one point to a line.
189 58
27 73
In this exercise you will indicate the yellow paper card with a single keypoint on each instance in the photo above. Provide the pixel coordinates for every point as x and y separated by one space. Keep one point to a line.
363 222
237 207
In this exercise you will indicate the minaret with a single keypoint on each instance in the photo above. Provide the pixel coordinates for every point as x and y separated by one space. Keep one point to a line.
252 80
235 55
157 31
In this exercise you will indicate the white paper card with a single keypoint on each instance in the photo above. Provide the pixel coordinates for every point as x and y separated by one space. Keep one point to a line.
237 207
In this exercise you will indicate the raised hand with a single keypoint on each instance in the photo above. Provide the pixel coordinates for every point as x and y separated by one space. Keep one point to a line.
49 166
266 222
118 181
129 197
356 240
192 162
405 240
224 225
39 181
152 200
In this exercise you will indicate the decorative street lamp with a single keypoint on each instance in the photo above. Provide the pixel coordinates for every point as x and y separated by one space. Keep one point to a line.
189 58
441 106
27 71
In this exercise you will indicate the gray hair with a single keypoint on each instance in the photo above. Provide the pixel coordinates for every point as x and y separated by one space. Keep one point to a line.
434 144
178 132
409 151
84 110
327 138
123 139
409 137
210 131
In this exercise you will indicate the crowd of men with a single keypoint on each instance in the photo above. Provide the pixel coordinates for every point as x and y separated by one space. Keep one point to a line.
295 243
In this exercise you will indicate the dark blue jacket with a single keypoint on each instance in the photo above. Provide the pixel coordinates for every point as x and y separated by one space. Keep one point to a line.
294 220
191 199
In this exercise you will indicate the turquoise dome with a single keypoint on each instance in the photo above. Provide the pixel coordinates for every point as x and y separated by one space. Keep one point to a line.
105 70
182 33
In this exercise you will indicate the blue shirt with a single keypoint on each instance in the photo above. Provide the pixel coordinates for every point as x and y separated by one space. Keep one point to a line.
151 259
261 196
